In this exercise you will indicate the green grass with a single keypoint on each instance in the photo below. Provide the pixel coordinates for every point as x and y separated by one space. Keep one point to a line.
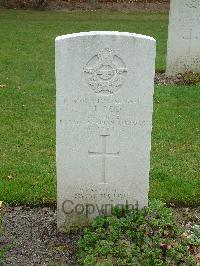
175 175
27 106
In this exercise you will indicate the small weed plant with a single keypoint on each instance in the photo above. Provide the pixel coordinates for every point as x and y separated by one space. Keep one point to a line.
141 237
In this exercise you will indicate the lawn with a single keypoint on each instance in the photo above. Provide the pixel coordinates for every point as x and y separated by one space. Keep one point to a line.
27 91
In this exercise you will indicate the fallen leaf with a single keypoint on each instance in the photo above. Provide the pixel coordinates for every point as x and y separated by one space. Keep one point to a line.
198 259
3 207
185 235
2 85
165 246
10 177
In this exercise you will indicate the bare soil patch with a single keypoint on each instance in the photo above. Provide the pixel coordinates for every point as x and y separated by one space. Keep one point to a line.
188 78
34 239
162 79
110 5
120 5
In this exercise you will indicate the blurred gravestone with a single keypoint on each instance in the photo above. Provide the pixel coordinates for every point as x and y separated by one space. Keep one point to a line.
183 53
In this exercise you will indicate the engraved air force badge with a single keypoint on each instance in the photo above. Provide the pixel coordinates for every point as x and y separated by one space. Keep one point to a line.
105 72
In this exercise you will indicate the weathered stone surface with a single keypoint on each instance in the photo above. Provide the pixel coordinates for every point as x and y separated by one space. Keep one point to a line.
104 118
184 37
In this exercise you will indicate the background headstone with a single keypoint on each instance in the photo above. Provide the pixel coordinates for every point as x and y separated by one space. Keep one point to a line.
104 118
183 37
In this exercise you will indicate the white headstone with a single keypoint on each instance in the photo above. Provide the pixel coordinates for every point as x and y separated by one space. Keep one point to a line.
183 53
105 86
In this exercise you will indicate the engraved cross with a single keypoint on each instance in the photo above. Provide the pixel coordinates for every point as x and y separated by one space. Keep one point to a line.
104 154
190 37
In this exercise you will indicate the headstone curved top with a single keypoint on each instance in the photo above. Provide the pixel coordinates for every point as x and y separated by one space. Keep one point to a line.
183 52
104 96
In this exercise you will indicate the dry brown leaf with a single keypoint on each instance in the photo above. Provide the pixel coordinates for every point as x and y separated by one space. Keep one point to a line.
2 85
3 207
198 259
10 177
